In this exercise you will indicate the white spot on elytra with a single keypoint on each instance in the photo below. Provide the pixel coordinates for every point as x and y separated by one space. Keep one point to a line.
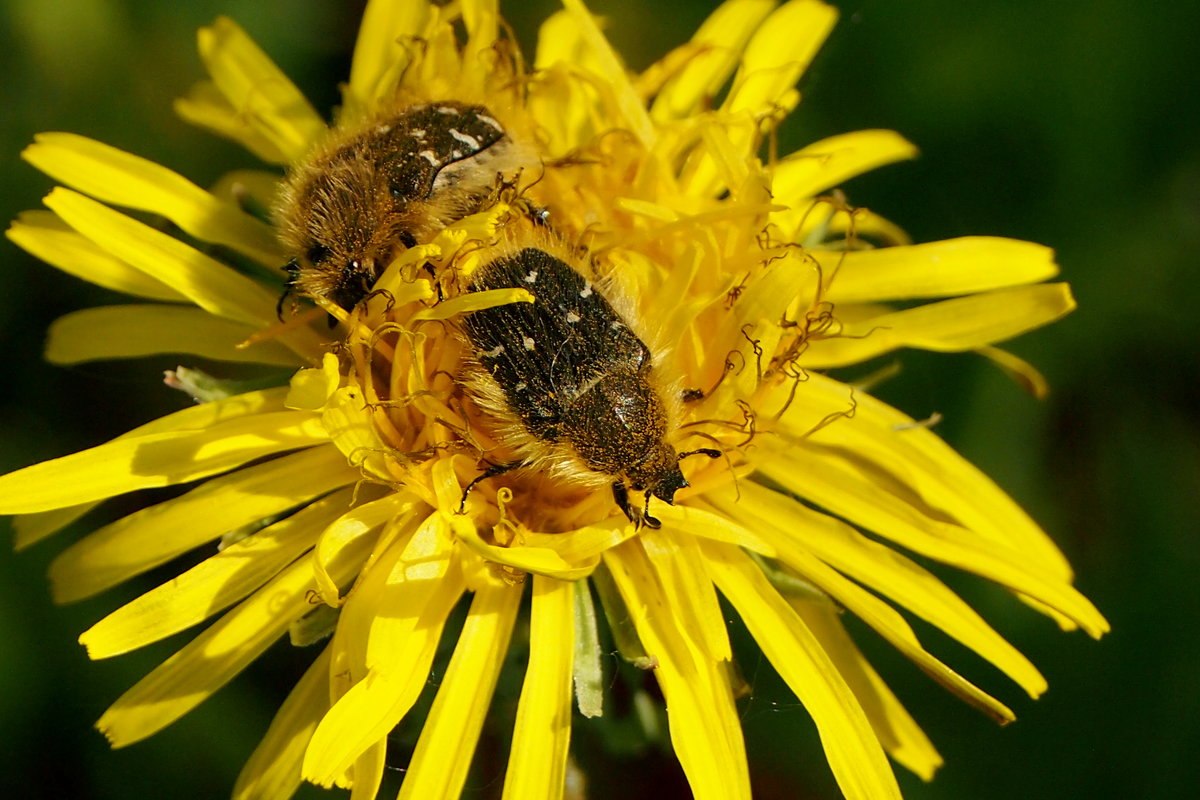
456 153
418 134
465 138
531 277
528 342
572 317
429 156
495 352
587 290
486 120
446 110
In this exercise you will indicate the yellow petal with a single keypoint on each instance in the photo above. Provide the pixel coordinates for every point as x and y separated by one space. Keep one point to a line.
649 82
133 331
705 729
367 772
212 585
560 41
537 761
767 298
382 50
249 188
206 282
821 222
873 611
897 731
570 555
351 426
828 163
890 574
964 323
214 657
31 528
205 107
853 751
206 415
447 494
936 269
1019 370
439 765
700 522
535 560
852 466
120 178
473 301
351 636
724 153
778 53
394 619
938 475
397 282
769 295
680 568
260 92
584 543
613 73
846 490
441 70
273 770
350 527
645 208
154 535
44 235
719 42
564 105
311 389
154 459
482 21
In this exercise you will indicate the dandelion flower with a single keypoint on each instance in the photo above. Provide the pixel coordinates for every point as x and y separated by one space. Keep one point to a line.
337 501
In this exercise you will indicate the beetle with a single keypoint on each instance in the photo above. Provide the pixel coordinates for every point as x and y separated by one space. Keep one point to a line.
375 189
573 389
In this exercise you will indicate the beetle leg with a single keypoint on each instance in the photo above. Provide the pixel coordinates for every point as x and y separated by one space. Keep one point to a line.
492 471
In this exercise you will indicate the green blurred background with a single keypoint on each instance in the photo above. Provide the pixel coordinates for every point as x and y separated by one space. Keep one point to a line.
1074 124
